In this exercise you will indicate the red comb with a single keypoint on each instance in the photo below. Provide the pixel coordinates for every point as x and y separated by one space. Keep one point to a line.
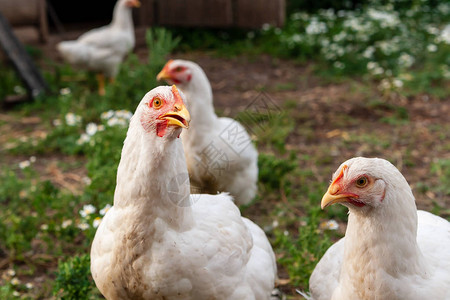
341 174
176 94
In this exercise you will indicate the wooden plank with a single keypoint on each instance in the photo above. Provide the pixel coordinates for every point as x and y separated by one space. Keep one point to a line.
145 15
20 12
255 13
22 62
195 13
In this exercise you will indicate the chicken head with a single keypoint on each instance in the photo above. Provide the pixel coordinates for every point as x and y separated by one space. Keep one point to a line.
163 110
356 186
176 72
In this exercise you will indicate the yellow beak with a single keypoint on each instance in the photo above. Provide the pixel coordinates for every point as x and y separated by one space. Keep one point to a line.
162 75
331 197
178 117
136 3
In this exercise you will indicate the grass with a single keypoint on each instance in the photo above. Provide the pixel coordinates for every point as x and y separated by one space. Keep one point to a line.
49 223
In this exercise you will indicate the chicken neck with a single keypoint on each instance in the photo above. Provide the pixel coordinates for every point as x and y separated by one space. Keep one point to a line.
122 16
152 177
381 248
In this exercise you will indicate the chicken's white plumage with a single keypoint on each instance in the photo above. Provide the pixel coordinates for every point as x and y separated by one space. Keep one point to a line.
219 151
103 49
157 242
390 250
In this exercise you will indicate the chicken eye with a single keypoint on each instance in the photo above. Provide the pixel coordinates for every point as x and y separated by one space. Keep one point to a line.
178 69
362 182
157 102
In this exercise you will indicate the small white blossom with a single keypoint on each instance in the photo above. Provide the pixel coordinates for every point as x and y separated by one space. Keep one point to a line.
105 209
385 84
432 48
10 272
329 225
72 119
29 285
84 138
316 27
96 222
24 164
338 65
91 129
368 53
265 27
33 159
406 60
87 210
86 180
57 122
64 91
397 83
16 294
107 115
15 281
66 223
19 90
44 227
83 226
286 233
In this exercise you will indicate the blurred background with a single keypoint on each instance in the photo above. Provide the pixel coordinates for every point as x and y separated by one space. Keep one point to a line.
345 78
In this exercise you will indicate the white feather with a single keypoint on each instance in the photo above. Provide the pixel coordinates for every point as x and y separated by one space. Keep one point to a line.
157 242
391 251
219 151
103 49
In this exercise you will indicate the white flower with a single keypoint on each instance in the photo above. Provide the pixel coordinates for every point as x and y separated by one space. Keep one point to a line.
397 83
64 91
96 222
24 164
316 27
329 225
57 122
87 210
91 129
19 90
107 115
444 36
406 60
385 19
116 121
385 84
33 159
66 223
286 233
72 119
86 180
368 53
10 272
16 294
105 209
15 281
432 48
83 226
84 138
275 223
29 285
125 114
338 65
265 27
44 227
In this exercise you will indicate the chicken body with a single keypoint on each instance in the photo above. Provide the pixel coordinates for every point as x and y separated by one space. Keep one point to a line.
160 242
390 250
219 152
103 49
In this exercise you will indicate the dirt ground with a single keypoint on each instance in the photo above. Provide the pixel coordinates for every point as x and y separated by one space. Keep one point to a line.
334 121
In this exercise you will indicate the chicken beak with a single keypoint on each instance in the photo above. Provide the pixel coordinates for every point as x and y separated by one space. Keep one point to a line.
332 197
136 3
178 117
163 75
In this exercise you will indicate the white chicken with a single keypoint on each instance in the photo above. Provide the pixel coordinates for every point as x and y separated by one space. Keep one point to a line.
219 152
160 242
102 49
390 250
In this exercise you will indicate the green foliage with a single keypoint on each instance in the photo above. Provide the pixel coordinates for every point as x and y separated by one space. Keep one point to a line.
73 279
300 254
273 170
441 168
